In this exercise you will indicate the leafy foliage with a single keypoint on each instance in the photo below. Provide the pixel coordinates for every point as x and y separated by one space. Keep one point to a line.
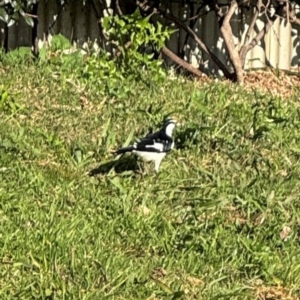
11 10
111 75
101 73
130 33
19 55
7 103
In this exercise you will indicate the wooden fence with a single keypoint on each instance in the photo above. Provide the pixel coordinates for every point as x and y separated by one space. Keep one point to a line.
279 49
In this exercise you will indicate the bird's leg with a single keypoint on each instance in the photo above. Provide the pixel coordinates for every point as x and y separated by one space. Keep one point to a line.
157 164
148 168
140 169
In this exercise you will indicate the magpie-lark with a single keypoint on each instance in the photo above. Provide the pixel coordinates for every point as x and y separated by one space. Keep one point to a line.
154 146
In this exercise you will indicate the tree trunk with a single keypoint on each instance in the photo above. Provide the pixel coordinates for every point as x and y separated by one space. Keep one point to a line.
229 42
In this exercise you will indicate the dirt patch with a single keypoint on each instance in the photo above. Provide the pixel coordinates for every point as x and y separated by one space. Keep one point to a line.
273 82
278 292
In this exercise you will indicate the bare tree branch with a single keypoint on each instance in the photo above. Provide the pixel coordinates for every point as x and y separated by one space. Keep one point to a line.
244 50
119 8
253 21
291 15
50 27
182 25
192 21
229 42
181 62
172 56
215 6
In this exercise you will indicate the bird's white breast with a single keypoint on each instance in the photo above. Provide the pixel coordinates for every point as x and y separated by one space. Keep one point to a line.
150 156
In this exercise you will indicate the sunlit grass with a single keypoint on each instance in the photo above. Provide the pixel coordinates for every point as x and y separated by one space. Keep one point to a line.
220 220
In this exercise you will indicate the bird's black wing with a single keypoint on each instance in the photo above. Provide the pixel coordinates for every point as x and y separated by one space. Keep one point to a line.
152 143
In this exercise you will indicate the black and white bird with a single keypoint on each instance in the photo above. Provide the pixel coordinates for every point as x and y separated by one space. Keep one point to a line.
154 146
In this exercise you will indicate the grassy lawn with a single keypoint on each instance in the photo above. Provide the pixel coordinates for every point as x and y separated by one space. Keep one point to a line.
221 220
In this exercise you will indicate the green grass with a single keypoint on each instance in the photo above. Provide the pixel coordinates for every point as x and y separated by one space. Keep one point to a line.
208 226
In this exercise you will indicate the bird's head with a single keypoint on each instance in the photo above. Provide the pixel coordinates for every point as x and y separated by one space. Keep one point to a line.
169 126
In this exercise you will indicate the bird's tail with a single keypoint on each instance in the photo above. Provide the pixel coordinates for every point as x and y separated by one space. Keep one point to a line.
123 150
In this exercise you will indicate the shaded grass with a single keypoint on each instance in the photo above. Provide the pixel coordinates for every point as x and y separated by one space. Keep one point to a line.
208 226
